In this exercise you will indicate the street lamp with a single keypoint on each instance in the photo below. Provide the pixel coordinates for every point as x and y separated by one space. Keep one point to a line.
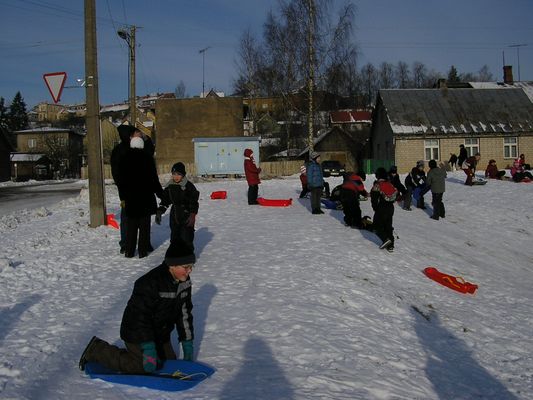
129 37
202 52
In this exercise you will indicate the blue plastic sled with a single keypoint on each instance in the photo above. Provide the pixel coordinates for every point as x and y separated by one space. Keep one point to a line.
190 374
330 204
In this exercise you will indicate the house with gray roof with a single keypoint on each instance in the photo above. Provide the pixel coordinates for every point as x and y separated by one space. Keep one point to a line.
424 124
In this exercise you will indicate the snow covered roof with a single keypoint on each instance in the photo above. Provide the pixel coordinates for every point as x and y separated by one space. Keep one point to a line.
44 129
115 108
457 111
526 86
26 157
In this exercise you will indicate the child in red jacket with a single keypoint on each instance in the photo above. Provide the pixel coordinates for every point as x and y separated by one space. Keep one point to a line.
251 172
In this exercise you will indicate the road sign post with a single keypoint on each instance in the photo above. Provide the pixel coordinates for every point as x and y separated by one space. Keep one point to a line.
55 81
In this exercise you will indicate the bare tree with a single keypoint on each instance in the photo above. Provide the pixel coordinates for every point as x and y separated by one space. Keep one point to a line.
484 74
402 75
180 90
419 74
305 49
370 80
386 75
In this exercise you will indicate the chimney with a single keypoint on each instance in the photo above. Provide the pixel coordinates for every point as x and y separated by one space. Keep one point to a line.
508 74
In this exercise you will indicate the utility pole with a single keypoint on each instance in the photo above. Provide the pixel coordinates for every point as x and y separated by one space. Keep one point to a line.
202 52
311 73
129 37
94 139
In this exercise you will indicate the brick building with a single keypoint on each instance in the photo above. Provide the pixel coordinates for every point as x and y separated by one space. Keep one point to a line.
424 124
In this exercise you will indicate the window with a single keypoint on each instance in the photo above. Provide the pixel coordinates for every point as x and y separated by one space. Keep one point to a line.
510 147
32 143
431 149
472 146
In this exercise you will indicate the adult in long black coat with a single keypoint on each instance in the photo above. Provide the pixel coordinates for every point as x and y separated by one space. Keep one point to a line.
140 184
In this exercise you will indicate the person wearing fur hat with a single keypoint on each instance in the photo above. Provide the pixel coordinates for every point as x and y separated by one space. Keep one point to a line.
383 195
161 301
251 171
140 184
182 196
315 181
126 133
436 181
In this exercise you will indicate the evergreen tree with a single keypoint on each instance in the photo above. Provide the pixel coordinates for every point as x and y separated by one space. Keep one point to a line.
453 75
18 117
3 114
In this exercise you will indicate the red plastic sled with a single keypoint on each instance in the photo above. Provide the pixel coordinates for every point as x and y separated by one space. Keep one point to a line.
453 282
111 221
220 195
274 202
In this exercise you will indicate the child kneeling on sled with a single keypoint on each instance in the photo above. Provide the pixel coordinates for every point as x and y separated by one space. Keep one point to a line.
161 299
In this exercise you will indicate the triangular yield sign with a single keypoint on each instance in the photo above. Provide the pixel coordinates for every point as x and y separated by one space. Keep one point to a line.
55 82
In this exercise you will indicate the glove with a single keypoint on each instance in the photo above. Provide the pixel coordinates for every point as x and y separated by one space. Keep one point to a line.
188 350
191 220
158 214
122 203
150 359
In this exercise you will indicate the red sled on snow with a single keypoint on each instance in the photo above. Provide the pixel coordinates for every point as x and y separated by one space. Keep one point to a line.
220 195
274 202
111 221
453 282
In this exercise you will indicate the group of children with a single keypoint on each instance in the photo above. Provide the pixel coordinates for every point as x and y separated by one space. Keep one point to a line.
386 190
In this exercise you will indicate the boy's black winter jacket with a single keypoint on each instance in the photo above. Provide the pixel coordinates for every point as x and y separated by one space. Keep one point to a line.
184 202
157 304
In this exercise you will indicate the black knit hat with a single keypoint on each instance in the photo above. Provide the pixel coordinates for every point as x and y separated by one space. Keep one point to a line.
381 173
125 132
432 164
179 253
179 168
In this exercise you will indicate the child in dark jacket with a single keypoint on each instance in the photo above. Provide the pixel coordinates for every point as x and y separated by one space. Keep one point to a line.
395 180
383 195
161 301
415 184
181 194
492 171
436 181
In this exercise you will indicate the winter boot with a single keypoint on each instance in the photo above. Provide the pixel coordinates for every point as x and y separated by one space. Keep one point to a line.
86 355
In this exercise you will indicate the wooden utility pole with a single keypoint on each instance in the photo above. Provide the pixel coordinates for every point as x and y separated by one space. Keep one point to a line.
94 138
311 72
133 106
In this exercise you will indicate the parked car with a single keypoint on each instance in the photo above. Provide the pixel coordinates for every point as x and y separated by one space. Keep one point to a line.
332 168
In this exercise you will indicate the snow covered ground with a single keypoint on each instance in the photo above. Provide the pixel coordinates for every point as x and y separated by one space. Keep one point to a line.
288 305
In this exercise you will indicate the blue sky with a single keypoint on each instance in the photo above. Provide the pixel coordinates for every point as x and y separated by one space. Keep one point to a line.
38 37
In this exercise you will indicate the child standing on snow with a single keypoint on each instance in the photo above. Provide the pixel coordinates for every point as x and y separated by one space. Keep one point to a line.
161 300
383 195
182 195
251 172
315 182
303 180
436 181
